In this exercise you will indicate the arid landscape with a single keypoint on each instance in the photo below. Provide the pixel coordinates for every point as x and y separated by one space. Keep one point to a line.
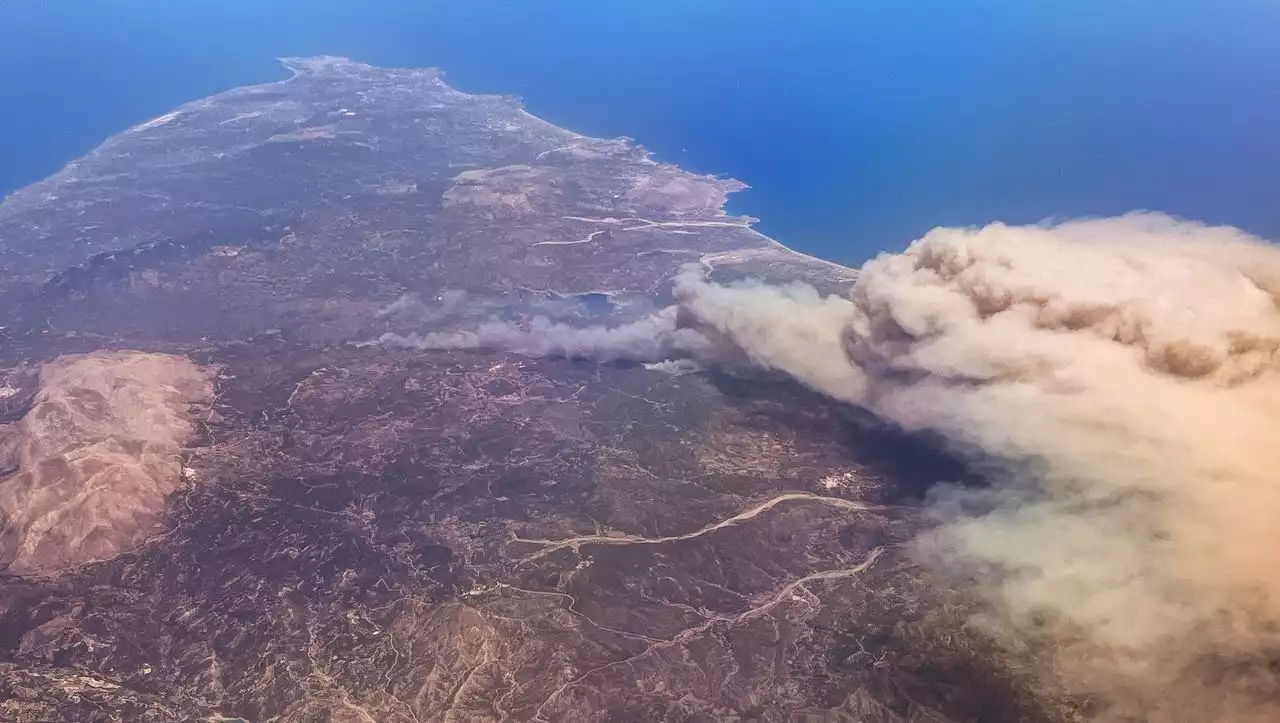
253 468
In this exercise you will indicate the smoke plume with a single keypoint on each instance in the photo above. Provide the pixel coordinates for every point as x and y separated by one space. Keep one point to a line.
652 338
1123 377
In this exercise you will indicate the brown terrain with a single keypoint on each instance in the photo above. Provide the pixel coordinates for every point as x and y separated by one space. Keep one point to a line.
219 504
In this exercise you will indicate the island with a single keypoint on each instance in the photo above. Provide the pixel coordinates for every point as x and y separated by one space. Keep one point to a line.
222 498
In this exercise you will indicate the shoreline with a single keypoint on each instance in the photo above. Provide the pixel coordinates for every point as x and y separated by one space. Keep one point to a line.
298 66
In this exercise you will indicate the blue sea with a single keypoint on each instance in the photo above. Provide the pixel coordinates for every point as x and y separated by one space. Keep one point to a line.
859 124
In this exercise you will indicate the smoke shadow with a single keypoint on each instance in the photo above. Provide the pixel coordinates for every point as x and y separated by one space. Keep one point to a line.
912 463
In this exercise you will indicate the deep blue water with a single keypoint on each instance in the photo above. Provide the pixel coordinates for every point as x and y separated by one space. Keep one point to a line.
860 124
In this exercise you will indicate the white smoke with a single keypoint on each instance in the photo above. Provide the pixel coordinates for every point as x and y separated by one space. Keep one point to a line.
787 328
652 338
1125 374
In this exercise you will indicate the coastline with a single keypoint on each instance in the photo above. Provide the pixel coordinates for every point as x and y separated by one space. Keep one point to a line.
299 66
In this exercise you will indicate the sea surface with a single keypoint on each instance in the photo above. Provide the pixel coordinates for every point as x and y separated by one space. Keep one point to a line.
859 124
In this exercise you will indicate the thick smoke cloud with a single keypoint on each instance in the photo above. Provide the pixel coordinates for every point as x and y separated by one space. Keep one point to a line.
1123 376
